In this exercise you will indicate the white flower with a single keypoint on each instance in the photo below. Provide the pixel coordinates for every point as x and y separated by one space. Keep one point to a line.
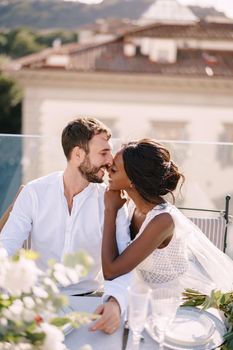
8 314
39 292
28 315
3 253
30 296
53 338
72 275
20 346
3 322
29 302
48 282
16 308
20 276
61 278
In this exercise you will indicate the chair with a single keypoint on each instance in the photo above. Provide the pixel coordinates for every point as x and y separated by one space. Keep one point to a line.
6 214
215 228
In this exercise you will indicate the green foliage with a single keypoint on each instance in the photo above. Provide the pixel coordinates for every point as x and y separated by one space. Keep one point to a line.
79 258
48 38
76 319
10 106
36 305
218 300
24 43
16 43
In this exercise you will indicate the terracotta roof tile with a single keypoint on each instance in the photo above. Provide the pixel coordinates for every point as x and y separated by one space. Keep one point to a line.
109 56
201 30
189 62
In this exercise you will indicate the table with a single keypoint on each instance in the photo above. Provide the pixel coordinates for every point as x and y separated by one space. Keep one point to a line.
98 340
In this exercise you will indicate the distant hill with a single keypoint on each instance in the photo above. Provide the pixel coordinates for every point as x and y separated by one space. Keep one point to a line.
53 14
45 14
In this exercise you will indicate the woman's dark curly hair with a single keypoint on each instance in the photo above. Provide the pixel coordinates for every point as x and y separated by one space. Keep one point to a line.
149 166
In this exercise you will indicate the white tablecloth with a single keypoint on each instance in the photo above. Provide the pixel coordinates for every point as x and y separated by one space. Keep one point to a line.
98 340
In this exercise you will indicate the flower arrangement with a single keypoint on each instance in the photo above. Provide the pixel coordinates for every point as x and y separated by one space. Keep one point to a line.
218 300
30 300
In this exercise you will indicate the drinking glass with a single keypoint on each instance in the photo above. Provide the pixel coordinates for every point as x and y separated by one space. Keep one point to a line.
164 304
138 299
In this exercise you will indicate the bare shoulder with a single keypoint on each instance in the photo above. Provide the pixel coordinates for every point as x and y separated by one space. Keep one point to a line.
163 221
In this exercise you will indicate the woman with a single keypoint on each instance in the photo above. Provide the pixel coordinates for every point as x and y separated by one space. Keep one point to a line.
166 246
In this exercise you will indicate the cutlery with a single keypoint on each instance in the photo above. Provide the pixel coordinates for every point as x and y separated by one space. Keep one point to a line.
125 335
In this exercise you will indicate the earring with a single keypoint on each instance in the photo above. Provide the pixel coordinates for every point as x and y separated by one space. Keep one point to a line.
131 185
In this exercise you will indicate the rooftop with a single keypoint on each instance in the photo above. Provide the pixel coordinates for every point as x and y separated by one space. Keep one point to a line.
168 11
110 56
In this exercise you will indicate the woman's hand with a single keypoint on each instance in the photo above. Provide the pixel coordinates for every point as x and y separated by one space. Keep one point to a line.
114 200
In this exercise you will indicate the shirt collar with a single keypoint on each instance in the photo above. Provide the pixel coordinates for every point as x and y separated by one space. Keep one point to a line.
85 192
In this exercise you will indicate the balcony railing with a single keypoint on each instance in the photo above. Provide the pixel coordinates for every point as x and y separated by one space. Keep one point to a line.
208 168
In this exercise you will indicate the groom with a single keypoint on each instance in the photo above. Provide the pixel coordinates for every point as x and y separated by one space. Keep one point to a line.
64 213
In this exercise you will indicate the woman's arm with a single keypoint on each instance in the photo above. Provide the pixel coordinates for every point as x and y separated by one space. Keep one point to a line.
156 232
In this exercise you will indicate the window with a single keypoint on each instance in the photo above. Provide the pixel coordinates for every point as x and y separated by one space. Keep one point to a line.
162 50
168 130
163 56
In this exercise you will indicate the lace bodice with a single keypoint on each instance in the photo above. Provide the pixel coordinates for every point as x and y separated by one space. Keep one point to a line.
166 264
190 256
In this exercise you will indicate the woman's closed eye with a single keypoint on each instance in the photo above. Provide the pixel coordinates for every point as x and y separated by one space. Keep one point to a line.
113 169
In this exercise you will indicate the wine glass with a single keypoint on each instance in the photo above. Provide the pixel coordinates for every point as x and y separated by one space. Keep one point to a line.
138 300
164 304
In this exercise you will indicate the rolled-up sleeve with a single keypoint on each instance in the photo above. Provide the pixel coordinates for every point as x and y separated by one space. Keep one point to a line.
117 288
19 223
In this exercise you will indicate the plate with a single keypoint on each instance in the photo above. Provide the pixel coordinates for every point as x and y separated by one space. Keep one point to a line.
67 328
192 329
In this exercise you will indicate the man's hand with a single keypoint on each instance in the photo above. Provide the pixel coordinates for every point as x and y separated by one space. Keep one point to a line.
110 317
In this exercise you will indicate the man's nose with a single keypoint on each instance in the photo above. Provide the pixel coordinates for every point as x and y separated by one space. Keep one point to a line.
109 160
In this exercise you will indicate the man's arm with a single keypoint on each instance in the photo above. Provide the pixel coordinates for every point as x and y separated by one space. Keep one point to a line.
118 287
6 214
18 226
115 291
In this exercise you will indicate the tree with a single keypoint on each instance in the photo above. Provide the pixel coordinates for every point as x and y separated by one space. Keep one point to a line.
10 106
24 44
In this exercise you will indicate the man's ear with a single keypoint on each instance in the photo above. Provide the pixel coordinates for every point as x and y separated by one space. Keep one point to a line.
78 154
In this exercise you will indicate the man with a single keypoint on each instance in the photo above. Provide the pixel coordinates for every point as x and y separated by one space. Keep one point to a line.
64 212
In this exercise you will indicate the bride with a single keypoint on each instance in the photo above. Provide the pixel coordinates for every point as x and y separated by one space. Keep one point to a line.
166 247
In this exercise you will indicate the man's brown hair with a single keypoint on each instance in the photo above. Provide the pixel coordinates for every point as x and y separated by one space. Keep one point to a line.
79 132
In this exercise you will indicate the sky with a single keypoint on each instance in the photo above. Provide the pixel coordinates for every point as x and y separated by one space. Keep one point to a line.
222 5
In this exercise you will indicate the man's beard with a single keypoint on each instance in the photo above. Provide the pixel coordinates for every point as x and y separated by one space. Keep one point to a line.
89 172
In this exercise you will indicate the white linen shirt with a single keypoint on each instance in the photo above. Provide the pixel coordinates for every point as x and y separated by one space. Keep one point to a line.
41 209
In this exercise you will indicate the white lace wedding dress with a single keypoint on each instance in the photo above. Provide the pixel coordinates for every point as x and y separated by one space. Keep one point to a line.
190 259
